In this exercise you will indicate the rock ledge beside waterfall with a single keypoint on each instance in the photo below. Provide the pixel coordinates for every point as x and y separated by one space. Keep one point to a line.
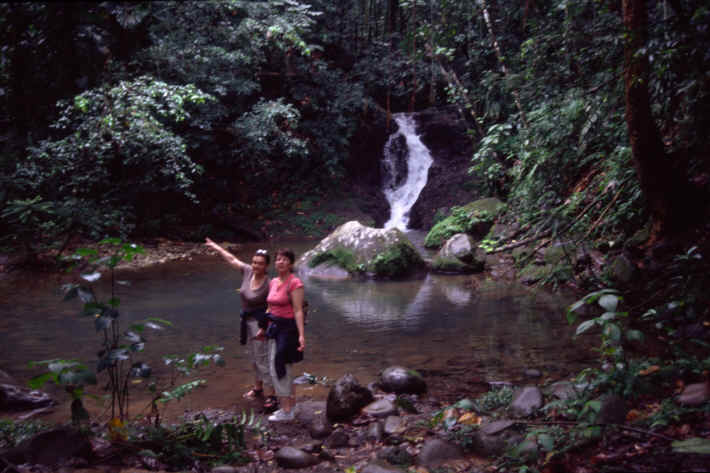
354 248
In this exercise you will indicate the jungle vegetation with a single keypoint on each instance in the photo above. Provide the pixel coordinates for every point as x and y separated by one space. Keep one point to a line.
131 118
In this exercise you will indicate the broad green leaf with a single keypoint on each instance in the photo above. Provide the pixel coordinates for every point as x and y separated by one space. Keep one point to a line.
692 445
61 365
133 337
79 377
140 370
38 381
546 441
91 277
609 302
634 335
584 326
606 316
613 331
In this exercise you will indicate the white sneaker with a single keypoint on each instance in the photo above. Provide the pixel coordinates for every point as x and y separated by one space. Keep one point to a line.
281 416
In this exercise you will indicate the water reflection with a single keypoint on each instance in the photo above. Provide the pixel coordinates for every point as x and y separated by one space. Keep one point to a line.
438 322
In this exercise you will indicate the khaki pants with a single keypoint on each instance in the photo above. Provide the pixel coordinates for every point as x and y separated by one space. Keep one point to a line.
258 352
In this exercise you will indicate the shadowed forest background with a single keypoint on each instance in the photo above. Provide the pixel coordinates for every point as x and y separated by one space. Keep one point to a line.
160 118
254 120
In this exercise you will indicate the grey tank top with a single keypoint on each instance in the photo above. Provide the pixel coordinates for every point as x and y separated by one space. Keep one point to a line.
253 298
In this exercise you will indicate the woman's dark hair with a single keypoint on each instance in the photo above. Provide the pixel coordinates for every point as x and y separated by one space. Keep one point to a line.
287 253
264 254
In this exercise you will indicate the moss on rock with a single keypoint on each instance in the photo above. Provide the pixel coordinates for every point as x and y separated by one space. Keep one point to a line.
475 218
399 260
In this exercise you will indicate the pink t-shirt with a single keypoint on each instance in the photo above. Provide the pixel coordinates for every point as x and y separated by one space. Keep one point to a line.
278 298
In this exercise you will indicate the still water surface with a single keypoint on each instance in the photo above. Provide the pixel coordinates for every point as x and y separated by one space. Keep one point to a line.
491 332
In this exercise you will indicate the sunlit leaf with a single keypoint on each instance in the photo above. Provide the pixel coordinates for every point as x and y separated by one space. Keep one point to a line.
584 326
692 445
86 294
140 370
609 302
91 277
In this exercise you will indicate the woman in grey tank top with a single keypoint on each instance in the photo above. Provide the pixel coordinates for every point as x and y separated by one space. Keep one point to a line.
253 292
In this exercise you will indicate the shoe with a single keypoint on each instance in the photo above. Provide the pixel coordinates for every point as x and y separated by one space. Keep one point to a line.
271 403
254 394
281 416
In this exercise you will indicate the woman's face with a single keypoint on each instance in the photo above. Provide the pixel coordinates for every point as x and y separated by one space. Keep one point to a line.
283 264
258 265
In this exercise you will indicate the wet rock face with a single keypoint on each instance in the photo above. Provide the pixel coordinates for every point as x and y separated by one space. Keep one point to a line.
15 398
346 399
401 380
395 169
443 131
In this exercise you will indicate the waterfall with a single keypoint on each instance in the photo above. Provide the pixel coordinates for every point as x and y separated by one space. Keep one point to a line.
406 166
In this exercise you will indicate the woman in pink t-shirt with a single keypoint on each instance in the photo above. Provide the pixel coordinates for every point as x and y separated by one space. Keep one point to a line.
286 334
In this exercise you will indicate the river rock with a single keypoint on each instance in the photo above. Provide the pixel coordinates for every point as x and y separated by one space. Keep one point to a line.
338 439
695 394
475 219
495 438
378 251
375 432
526 401
459 254
308 411
380 468
394 425
380 408
621 269
346 398
437 451
396 455
290 457
51 447
401 380
320 428
15 398
562 390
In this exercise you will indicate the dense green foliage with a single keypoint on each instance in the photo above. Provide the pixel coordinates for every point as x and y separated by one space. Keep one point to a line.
192 113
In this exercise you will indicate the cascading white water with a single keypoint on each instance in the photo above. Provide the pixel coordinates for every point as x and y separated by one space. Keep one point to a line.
401 198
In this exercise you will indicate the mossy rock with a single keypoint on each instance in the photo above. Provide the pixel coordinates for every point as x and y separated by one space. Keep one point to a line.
454 265
545 273
398 261
475 218
360 249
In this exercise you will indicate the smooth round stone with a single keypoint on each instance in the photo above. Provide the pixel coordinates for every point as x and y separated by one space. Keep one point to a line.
290 457
380 408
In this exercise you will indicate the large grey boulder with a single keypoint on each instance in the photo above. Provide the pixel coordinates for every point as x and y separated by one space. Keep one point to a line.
290 457
526 401
460 254
15 398
494 438
437 451
400 380
346 398
356 248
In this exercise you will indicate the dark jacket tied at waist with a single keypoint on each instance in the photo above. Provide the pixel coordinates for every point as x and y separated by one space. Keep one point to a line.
285 332
258 314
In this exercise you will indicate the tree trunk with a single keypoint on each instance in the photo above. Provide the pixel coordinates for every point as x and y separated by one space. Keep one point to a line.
661 183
